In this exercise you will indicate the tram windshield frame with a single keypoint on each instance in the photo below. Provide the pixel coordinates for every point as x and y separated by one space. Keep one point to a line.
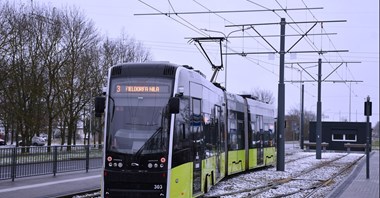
138 123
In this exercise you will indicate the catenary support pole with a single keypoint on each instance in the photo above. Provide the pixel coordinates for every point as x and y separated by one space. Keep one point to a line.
367 112
281 103
319 114
302 116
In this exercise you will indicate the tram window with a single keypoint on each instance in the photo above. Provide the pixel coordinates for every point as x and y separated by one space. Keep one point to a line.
197 127
207 118
240 135
196 106
253 136
236 133
266 135
181 135
259 121
196 117
183 131
210 135
271 136
266 127
266 138
233 140
216 113
232 133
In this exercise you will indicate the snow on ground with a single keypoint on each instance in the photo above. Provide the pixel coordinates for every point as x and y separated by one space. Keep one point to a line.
296 161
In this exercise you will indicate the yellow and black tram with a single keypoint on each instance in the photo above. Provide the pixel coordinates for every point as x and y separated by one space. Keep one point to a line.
169 132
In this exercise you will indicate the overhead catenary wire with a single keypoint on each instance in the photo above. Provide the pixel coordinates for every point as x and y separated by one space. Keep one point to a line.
322 29
191 27
230 22
311 43
253 60
194 28
229 48
309 38
296 23
223 11
332 43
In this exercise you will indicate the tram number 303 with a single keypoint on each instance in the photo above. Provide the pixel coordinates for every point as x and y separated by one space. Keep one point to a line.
157 187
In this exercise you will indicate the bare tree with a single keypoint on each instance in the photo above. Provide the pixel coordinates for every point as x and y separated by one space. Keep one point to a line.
53 62
23 85
80 42
122 50
293 122
262 95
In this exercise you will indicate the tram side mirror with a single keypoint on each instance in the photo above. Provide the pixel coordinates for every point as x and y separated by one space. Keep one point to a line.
100 103
173 105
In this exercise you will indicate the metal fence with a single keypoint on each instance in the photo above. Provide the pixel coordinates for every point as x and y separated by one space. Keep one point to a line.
20 162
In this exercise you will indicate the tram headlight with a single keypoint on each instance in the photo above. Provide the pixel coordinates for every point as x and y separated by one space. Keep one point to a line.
109 158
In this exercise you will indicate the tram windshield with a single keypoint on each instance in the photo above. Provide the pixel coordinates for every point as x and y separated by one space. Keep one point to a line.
137 120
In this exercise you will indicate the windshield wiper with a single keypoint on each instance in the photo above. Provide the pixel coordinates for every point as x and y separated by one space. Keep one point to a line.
138 153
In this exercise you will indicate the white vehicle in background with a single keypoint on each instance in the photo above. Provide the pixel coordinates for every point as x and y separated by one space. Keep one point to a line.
38 141
44 136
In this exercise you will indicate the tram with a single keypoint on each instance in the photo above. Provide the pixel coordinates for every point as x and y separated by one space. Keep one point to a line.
169 132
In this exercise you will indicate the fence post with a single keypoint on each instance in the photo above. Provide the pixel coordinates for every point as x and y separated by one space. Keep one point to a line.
87 157
55 158
14 164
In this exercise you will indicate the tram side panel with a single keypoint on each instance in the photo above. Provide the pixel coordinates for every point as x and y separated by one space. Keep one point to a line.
198 153
182 157
262 150
212 165
235 134
186 163
269 137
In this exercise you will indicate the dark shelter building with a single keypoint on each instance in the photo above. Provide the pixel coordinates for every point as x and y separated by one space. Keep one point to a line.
337 134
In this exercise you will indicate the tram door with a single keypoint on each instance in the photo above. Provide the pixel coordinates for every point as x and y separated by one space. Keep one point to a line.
260 140
197 136
219 138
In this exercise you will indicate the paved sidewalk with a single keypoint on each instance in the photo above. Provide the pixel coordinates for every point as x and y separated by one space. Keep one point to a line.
357 185
51 186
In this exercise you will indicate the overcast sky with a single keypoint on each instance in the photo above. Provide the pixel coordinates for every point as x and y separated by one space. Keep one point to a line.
167 39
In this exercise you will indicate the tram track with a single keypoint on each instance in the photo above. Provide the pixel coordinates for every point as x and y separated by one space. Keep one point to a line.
321 183
302 183
331 179
298 158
